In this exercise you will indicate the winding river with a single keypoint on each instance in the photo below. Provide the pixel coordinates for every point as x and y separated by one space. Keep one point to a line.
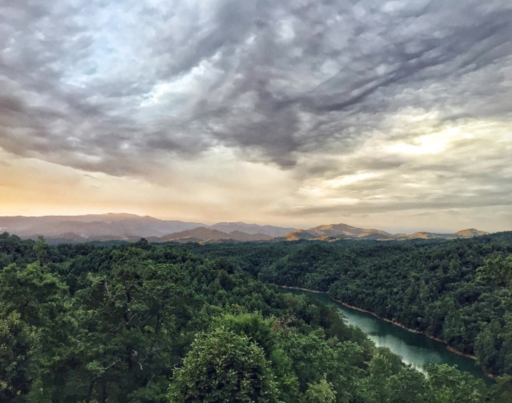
414 348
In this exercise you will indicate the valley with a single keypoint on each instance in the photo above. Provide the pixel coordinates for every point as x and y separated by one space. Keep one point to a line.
413 348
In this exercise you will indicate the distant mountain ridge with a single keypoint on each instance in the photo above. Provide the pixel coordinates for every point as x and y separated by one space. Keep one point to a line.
121 226
203 234
335 232
270 230
131 227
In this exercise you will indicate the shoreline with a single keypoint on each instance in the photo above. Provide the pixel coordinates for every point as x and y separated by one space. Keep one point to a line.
398 324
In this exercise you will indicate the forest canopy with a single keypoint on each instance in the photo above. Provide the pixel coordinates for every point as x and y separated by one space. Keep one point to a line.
191 323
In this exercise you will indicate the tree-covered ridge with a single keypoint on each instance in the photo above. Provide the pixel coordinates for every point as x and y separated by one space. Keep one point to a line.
431 286
144 323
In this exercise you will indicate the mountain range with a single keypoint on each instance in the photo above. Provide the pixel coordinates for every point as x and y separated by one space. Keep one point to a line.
334 232
103 227
131 227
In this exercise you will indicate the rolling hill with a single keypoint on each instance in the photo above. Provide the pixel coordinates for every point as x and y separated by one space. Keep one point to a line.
333 232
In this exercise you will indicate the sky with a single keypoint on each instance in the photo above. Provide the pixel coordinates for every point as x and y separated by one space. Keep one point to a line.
392 115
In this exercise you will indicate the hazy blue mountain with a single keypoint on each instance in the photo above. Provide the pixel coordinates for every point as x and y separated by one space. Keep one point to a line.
130 226
112 226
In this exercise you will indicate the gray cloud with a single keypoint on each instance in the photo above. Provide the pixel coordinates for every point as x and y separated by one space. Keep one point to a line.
494 199
121 87
280 79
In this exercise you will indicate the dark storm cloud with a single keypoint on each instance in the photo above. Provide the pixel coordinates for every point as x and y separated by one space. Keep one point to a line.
114 87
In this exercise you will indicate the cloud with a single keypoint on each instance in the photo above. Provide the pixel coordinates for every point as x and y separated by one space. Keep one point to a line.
316 88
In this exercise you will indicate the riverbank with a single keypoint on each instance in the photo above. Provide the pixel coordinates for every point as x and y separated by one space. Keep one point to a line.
394 323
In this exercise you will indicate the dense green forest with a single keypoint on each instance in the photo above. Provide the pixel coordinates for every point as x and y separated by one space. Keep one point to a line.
192 323
432 286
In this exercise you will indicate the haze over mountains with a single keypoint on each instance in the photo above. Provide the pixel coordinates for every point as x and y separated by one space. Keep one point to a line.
131 227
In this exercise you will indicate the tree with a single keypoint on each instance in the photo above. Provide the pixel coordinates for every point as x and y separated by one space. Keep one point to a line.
378 383
321 392
451 386
34 319
497 271
41 249
19 358
494 343
224 367
410 385
486 345
135 316
503 389
266 333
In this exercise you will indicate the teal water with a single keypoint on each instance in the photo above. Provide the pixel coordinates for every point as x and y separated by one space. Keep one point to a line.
415 349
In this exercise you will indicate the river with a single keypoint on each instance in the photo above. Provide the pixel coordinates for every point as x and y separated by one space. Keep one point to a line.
415 349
